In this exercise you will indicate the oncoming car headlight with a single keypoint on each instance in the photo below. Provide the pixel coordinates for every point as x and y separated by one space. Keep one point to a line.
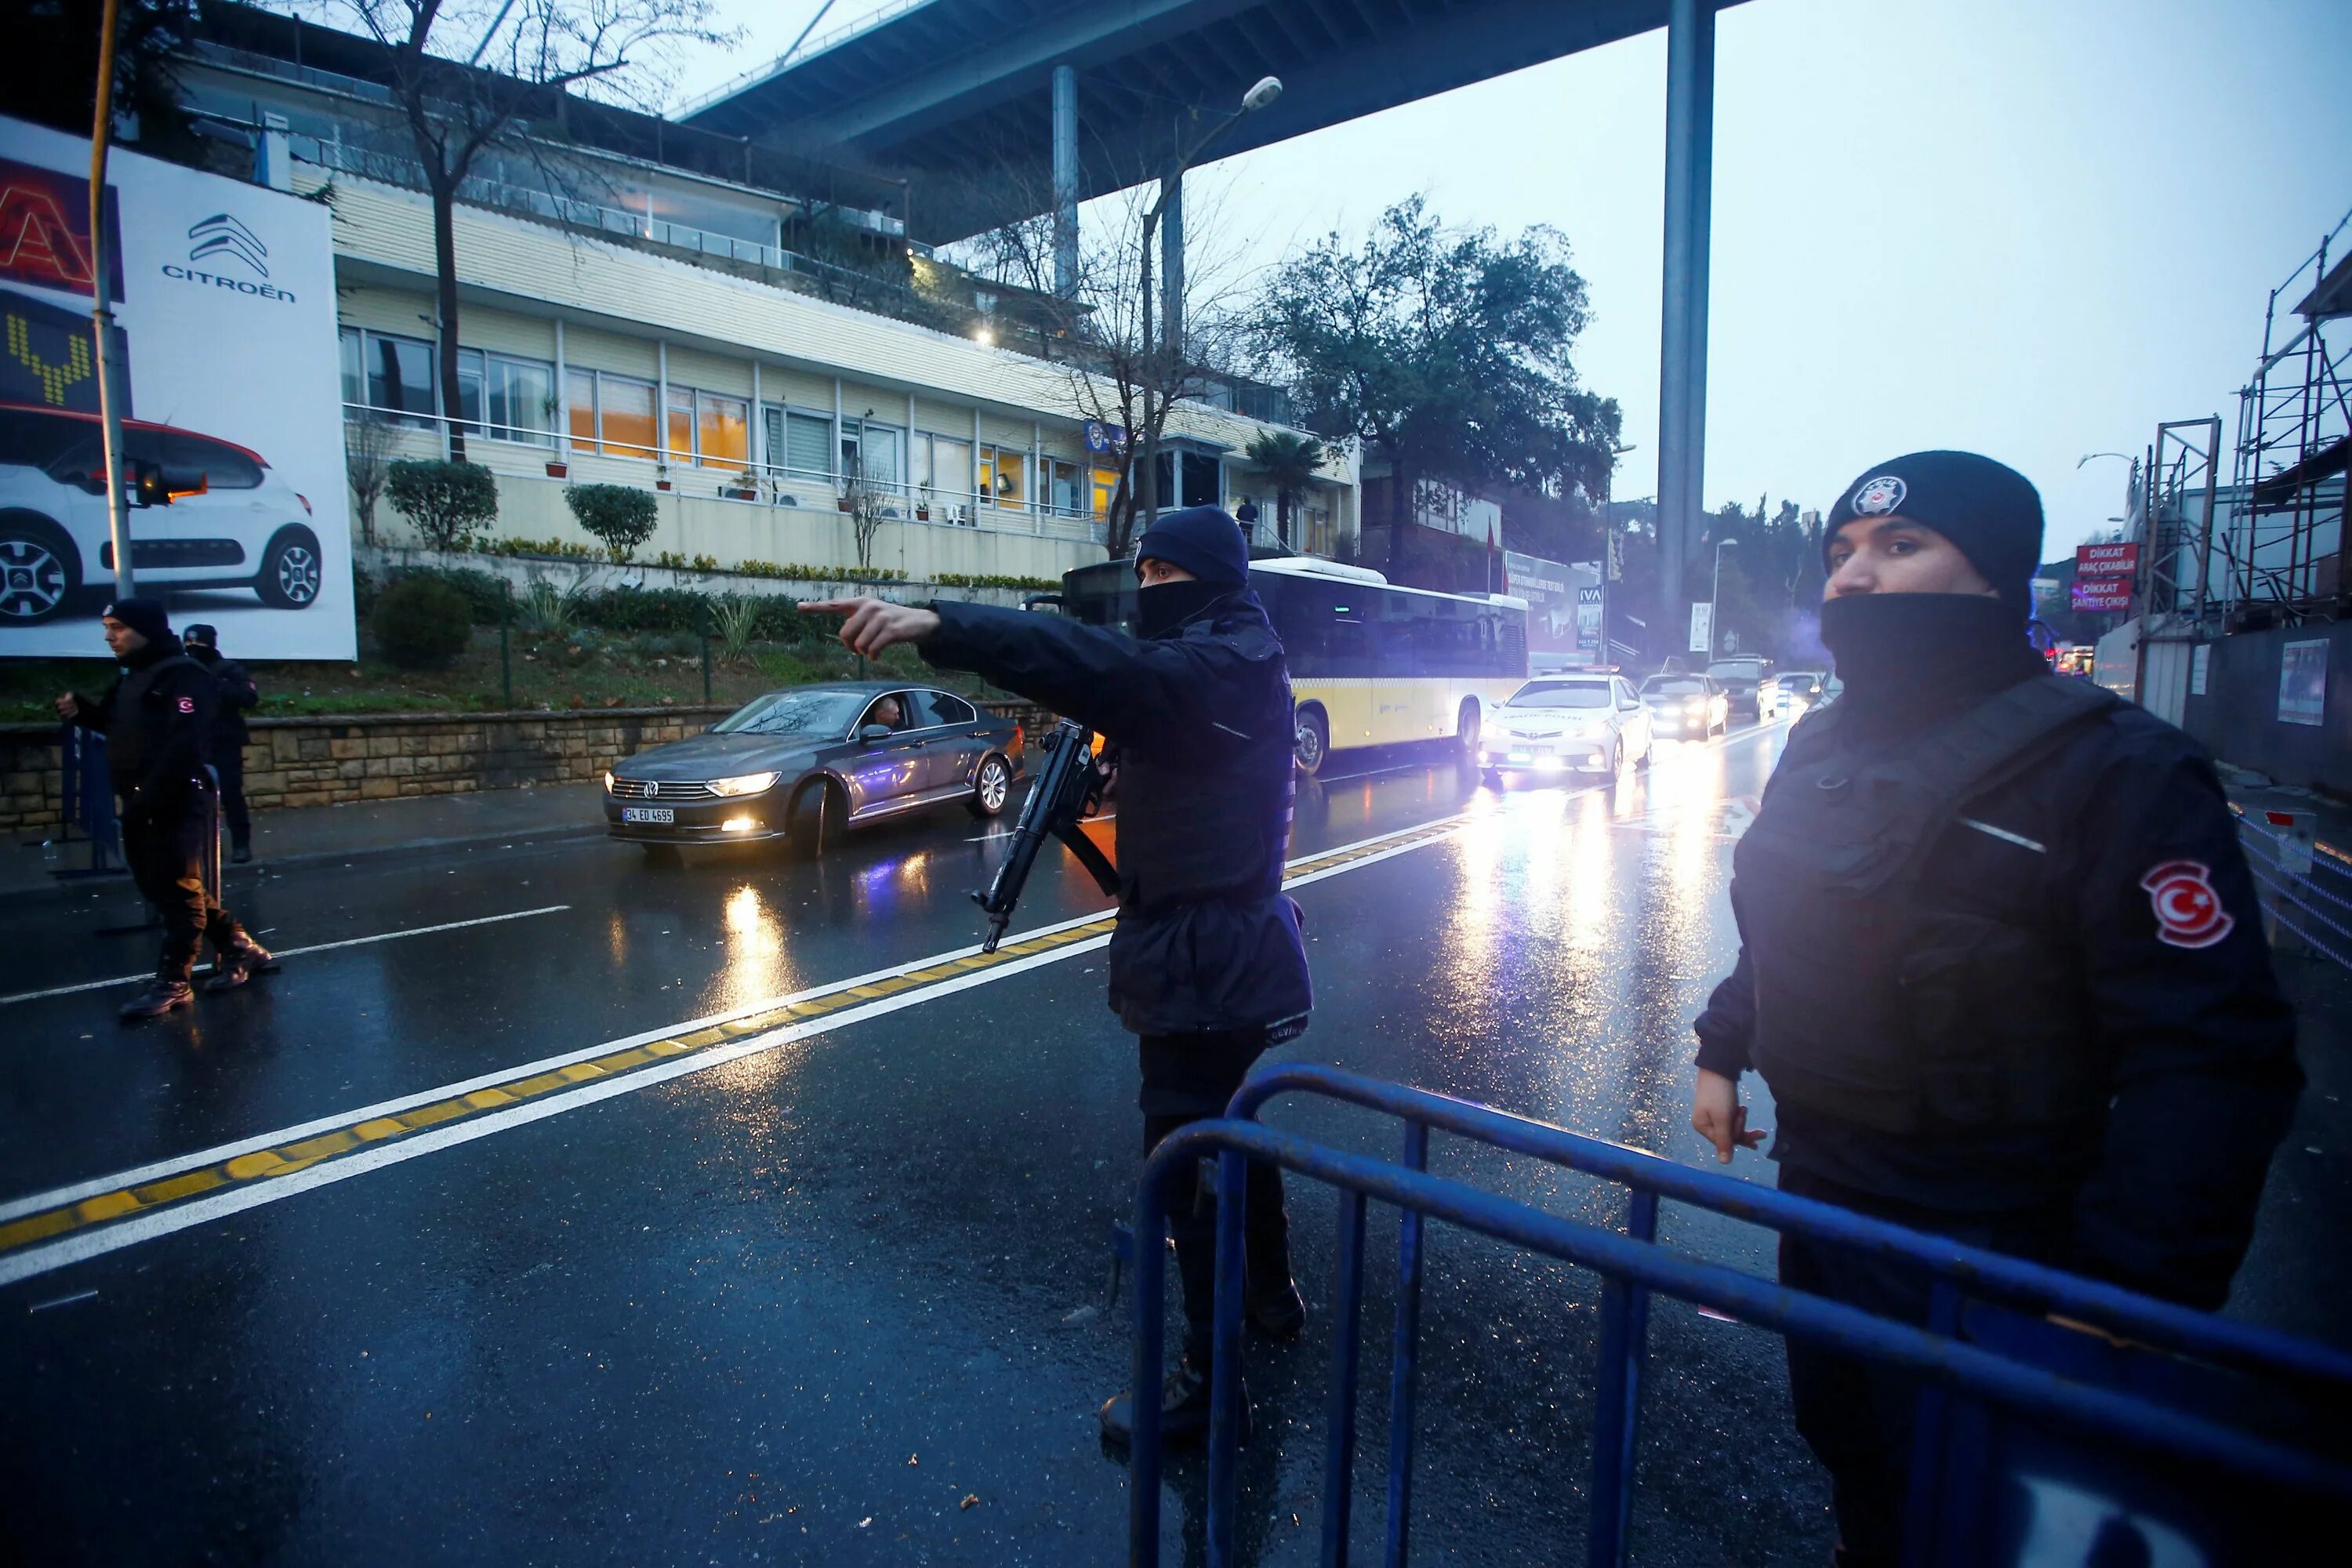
742 783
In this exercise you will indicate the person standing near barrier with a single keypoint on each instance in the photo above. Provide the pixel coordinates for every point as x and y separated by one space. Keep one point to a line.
2002 962
237 693
157 719
1207 964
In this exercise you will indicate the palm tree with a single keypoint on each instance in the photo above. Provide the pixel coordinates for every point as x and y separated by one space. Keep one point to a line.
1288 462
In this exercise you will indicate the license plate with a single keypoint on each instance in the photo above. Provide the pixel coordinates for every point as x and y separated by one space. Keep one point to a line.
1522 756
660 814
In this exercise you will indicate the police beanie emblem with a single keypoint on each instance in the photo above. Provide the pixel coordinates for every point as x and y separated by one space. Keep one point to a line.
1878 495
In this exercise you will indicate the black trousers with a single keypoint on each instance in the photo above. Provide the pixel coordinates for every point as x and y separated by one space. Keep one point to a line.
169 859
1191 1077
228 761
1857 1415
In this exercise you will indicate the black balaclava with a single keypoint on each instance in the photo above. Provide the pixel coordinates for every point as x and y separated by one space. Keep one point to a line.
1203 540
1911 660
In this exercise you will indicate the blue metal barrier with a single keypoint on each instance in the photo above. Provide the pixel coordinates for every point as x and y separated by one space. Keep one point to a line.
1633 1266
87 796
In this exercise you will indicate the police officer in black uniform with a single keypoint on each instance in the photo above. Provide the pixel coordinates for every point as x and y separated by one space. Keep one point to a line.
1207 967
157 717
2001 964
237 693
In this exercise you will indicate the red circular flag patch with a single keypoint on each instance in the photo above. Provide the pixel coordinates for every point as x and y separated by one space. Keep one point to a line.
187 704
2189 912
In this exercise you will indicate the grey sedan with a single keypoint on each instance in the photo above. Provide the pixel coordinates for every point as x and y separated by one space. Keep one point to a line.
809 762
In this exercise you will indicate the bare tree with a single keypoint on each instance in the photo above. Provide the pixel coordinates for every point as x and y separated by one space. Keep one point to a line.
1094 331
468 76
368 439
868 500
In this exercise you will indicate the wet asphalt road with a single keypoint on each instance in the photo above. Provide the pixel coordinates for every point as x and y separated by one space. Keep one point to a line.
839 1300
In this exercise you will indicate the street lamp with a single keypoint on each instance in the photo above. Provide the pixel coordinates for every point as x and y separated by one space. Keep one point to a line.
1714 595
1266 91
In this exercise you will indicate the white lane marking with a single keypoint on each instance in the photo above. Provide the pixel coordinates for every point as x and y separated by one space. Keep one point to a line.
296 951
81 1246
18 1207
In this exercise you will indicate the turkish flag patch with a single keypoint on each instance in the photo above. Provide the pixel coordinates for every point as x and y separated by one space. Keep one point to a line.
187 704
2189 912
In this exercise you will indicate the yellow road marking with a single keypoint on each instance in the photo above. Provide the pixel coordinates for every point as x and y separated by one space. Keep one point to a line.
263 1164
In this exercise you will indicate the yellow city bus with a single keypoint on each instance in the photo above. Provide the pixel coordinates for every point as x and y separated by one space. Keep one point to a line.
1371 664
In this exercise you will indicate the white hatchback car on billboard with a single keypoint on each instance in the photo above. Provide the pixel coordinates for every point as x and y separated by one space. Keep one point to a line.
225 517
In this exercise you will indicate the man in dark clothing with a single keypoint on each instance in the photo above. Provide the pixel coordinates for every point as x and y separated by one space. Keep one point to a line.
157 717
237 693
1207 966
2002 963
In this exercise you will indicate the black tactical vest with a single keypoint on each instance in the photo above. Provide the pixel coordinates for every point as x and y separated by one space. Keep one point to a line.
1877 1005
1212 824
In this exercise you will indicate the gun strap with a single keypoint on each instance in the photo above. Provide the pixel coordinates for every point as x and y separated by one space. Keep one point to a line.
1104 874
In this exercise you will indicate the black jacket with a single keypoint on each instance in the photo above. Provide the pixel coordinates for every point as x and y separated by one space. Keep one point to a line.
1201 721
2191 1036
157 717
237 693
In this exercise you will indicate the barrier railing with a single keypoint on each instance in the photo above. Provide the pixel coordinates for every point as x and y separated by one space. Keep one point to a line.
1632 1267
2306 886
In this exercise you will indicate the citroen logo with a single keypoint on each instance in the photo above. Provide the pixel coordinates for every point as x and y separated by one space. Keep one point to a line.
222 234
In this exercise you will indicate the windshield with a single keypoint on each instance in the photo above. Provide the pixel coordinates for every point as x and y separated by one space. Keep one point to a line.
1743 670
800 712
1673 685
1561 694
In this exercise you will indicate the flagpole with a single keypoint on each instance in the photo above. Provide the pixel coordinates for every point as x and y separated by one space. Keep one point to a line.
110 400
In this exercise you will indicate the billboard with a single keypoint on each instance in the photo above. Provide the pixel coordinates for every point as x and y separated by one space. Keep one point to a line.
225 309
1563 608
2105 560
2102 595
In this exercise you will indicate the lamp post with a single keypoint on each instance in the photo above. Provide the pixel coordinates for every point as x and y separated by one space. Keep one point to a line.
1266 91
1714 598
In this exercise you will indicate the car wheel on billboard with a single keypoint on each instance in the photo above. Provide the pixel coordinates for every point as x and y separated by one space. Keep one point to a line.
40 569
290 571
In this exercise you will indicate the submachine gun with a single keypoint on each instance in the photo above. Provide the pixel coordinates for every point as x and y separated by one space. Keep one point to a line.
1067 791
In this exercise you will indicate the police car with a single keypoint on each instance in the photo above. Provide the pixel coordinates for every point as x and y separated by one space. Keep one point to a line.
1561 724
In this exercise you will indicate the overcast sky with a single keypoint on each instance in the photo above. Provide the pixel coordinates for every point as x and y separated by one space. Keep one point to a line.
2031 228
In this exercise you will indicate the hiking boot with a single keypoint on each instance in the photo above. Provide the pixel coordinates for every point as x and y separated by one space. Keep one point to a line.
1183 1410
1279 1313
240 964
158 997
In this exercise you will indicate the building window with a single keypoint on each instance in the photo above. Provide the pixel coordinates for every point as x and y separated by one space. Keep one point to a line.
805 448
1004 477
611 413
391 376
506 399
873 450
1203 479
1067 491
722 431
678 434
939 470
1105 485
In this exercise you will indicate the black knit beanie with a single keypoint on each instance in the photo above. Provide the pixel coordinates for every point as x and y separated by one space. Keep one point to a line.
1988 510
145 617
1202 539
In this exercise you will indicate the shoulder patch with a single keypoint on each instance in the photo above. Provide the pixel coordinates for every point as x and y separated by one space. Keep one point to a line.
2189 912
186 704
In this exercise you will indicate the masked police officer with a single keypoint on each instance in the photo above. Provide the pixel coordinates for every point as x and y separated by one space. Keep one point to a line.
237 693
1207 967
158 721
2001 964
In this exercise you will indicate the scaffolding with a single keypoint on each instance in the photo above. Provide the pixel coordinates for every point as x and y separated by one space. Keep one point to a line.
2276 556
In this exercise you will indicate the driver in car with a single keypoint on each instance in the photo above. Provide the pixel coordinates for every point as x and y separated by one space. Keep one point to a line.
888 713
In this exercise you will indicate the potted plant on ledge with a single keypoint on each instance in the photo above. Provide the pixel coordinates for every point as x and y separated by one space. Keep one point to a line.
745 486
557 466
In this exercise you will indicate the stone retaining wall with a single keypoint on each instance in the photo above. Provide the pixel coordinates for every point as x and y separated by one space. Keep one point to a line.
333 761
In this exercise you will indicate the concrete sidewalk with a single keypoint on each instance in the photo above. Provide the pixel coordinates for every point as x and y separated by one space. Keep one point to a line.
313 835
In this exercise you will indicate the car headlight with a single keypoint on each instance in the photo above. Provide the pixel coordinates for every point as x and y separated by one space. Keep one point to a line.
608 781
742 783
1694 706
